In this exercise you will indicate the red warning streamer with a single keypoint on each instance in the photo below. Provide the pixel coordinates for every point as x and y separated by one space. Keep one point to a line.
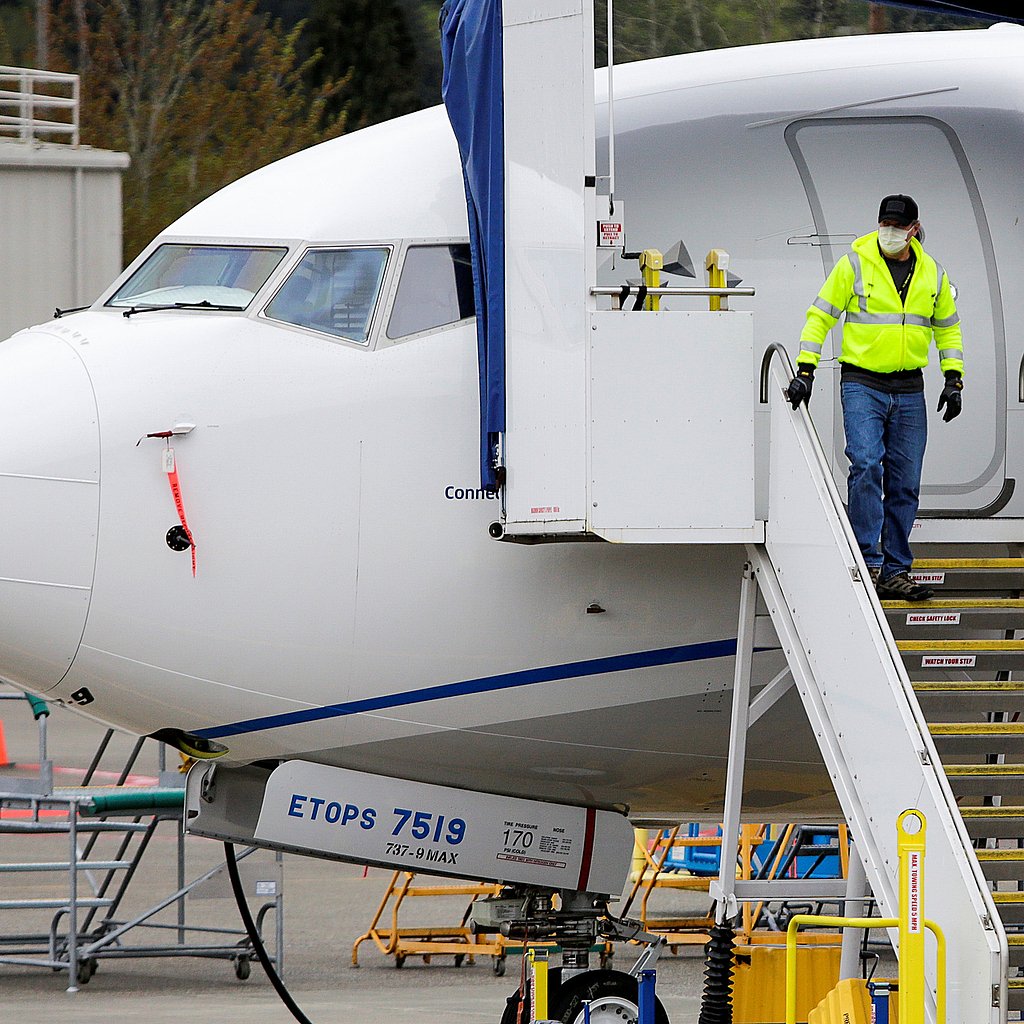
171 469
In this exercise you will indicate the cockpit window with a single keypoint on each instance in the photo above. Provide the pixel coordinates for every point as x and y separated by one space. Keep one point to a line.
221 275
436 288
334 291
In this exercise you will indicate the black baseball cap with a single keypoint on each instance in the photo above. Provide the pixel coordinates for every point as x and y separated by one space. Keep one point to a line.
898 208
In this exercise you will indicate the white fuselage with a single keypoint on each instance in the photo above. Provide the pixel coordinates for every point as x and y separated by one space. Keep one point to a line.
349 605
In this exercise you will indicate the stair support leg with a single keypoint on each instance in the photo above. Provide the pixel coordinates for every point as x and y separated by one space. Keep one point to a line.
856 891
726 908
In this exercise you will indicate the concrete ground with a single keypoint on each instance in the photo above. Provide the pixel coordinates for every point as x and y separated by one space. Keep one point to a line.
326 907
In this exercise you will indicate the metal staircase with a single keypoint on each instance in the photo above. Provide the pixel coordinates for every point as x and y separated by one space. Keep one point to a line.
960 652
922 721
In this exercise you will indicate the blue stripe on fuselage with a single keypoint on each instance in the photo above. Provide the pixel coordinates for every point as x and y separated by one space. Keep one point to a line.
506 681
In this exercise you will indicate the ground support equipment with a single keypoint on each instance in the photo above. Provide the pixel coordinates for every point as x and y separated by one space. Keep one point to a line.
96 837
464 941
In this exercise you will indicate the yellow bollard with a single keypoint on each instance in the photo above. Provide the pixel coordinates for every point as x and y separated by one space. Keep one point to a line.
716 263
651 263
539 970
910 839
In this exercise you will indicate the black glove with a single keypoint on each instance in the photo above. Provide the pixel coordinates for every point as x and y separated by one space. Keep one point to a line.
800 386
951 397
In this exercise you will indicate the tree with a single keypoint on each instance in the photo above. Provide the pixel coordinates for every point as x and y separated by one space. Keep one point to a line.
196 93
368 42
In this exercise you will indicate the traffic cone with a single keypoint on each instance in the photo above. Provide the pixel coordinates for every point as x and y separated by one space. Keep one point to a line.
3 747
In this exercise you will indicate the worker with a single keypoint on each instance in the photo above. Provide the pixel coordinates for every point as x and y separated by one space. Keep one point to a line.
895 298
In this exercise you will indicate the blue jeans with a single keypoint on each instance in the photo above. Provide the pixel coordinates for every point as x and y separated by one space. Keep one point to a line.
885 442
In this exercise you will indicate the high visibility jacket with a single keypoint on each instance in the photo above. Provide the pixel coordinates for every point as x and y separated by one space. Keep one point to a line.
880 332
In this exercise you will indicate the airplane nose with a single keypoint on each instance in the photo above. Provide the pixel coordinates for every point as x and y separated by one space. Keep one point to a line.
49 506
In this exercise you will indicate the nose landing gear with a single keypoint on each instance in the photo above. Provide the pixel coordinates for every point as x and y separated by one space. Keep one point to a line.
579 921
612 995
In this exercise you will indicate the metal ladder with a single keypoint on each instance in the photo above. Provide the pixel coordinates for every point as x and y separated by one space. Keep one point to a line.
960 652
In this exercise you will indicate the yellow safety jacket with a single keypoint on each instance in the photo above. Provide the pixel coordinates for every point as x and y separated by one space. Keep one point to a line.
880 332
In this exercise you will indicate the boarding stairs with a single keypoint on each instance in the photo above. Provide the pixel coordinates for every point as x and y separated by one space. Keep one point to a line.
912 706
961 652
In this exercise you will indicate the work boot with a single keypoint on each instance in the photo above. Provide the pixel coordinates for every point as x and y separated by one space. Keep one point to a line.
902 588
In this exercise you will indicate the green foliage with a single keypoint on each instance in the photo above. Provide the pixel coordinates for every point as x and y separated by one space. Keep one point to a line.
17 34
368 42
197 93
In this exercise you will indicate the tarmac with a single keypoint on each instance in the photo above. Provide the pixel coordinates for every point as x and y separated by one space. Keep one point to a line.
326 907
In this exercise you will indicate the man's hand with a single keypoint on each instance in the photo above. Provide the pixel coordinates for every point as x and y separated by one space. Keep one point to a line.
951 397
801 385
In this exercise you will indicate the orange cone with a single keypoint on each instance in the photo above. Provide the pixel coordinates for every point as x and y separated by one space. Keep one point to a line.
3 747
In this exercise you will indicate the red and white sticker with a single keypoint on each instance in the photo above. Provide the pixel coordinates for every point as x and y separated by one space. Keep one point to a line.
610 234
545 510
948 661
914 893
935 579
933 618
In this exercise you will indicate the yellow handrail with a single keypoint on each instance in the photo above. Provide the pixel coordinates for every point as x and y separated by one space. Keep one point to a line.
826 921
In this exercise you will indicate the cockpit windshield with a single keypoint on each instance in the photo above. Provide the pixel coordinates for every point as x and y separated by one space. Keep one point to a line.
217 275
334 291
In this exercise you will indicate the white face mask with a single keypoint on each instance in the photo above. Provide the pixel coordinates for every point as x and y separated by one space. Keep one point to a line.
892 240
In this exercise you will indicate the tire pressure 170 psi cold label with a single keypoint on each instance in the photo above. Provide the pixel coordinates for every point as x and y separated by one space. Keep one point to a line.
373 819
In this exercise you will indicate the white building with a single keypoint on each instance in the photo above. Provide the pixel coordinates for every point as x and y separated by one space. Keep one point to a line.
60 203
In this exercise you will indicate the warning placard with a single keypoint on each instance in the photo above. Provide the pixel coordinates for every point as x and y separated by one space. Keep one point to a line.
610 234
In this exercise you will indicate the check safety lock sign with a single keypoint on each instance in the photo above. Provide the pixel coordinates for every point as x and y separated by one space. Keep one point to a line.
372 819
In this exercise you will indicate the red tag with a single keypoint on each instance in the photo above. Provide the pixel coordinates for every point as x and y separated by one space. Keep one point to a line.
171 469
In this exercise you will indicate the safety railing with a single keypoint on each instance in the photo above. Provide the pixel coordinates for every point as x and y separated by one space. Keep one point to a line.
38 106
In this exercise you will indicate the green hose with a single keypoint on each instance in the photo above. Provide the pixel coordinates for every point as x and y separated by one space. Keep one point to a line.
133 800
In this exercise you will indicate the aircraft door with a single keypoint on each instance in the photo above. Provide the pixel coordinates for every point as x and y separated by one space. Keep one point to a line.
847 165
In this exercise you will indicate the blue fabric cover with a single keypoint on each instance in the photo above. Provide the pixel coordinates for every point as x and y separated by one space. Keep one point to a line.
471 87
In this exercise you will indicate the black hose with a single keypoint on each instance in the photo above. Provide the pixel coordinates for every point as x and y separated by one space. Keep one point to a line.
716 1001
254 937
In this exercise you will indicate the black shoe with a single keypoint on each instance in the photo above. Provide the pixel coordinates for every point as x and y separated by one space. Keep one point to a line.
902 588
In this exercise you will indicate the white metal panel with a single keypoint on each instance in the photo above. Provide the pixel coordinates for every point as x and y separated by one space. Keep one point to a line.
49 498
549 151
672 421
860 702
61 224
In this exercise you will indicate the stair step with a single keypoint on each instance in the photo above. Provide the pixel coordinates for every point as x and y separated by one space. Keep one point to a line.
966 615
1015 993
960 645
978 737
930 564
965 655
1015 942
986 779
980 695
1006 822
1010 906
1002 865
946 574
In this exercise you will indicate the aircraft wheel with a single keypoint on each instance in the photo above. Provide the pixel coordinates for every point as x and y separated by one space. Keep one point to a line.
612 996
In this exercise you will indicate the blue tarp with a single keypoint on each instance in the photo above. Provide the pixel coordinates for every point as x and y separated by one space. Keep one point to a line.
472 90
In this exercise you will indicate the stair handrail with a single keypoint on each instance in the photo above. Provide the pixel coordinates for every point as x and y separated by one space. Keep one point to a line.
802 416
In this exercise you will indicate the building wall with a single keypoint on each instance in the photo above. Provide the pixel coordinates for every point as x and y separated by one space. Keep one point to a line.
60 226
